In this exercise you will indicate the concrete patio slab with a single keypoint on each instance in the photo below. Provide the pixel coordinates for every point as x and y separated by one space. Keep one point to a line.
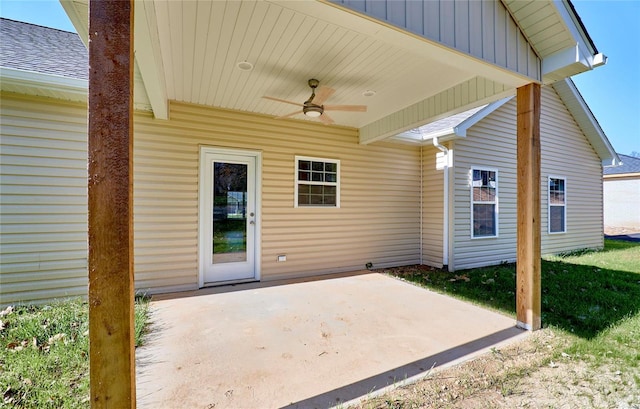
312 344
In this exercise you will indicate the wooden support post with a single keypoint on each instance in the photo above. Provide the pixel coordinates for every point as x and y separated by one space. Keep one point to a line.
528 291
111 289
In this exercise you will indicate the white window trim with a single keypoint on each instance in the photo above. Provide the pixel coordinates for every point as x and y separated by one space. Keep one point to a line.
549 205
496 212
297 182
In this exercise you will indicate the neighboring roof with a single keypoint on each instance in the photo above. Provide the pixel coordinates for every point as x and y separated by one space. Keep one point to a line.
581 112
630 164
29 47
48 62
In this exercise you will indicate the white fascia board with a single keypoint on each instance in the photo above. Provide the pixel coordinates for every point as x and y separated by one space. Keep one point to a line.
443 135
461 129
58 83
587 122
149 59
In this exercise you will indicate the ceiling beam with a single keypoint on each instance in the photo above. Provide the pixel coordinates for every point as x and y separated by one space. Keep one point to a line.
78 14
149 58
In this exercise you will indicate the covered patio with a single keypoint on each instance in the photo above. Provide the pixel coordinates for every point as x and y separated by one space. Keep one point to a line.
423 60
305 344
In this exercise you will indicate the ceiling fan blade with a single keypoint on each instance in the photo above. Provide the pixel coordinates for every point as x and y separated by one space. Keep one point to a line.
322 94
282 100
289 115
350 108
326 119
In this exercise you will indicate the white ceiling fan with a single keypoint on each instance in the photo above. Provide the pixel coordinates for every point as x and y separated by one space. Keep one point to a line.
314 108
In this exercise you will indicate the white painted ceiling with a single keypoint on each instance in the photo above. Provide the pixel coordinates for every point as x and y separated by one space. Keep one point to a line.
198 44
288 46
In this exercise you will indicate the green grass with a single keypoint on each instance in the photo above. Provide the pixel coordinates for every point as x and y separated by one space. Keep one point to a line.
44 361
592 295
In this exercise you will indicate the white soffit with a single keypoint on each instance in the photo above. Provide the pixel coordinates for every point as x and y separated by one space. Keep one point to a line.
554 30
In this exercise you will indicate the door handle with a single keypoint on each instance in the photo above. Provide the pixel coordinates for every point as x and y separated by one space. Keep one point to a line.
252 222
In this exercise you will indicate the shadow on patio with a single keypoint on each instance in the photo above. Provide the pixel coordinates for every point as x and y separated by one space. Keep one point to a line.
304 344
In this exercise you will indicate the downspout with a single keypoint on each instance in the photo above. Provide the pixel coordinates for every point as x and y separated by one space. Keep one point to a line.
421 204
445 223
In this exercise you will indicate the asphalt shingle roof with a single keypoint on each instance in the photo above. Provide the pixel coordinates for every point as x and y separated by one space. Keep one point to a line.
30 47
443 124
630 164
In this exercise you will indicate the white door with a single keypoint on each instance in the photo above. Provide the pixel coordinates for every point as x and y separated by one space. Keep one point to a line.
228 216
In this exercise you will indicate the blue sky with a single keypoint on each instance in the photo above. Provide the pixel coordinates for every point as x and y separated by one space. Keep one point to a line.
612 92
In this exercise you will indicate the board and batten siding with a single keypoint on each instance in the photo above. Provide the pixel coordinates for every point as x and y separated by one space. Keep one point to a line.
481 28
43 186
433 209
378 220
565 152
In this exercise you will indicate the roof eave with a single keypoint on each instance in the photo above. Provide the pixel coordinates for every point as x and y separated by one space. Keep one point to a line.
578 58
35 83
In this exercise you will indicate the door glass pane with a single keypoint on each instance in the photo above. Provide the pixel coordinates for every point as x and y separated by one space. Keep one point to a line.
229 212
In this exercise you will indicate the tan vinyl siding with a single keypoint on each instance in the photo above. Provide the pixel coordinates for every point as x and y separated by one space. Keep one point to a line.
489 144
566 153
433 210
43 184
378 220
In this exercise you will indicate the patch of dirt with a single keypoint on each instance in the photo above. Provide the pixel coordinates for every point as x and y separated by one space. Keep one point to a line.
521 375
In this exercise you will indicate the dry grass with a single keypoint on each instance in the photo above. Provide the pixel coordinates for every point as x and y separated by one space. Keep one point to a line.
587 356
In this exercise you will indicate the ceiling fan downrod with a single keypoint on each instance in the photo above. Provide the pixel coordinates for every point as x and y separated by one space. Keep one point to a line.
309 108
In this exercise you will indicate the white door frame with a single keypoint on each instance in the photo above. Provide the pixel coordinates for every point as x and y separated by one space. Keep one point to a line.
205 208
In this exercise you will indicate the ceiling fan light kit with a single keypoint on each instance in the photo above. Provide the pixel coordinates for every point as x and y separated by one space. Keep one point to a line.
314 108
313 111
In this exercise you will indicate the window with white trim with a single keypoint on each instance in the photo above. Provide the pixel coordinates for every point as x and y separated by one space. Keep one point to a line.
317 182
484 202
557 205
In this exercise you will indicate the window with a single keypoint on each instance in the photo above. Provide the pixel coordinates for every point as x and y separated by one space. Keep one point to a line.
484 202
317 182
557 205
